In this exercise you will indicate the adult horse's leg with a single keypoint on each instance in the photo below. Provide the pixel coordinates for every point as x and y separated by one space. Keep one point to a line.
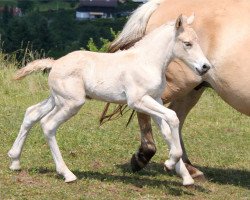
182 107
147 149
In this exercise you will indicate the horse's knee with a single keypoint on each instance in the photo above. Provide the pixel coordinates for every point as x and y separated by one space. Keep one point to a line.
172 119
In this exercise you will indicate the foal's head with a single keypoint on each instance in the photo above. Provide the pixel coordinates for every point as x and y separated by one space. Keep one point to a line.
187 47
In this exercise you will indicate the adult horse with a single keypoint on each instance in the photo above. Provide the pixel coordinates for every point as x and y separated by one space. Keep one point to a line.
223 28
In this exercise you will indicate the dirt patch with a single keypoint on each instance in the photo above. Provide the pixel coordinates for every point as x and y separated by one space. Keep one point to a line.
23 177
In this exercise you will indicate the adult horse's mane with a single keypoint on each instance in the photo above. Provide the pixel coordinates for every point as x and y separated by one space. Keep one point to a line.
132 32
135 27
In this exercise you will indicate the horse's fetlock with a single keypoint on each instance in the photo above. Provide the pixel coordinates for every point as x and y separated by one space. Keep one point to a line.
13 154
149 150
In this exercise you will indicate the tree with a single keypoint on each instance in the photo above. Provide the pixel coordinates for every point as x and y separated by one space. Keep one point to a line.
25 5
7 14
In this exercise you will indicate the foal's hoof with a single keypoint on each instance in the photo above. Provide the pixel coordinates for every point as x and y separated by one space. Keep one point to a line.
195 173
70 178
168 166
188 181
15 165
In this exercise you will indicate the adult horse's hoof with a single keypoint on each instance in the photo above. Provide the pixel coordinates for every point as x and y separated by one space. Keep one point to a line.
135 164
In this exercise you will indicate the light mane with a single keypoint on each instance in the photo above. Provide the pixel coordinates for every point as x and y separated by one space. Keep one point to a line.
135 27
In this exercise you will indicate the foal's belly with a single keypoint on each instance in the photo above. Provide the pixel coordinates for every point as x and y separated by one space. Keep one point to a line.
112 93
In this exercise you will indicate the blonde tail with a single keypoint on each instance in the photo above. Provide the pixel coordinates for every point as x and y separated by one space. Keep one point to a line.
34 66
135 27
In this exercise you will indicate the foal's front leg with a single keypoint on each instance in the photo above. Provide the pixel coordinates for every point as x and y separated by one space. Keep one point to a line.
150 106
164 117
180 167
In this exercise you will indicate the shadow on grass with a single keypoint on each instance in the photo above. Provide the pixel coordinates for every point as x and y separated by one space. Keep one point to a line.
234 177
173 188
148 178
138 181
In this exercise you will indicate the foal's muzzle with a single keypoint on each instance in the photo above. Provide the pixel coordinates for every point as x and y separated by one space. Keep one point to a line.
204 69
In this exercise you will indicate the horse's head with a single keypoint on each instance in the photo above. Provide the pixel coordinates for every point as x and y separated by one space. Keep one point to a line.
187 47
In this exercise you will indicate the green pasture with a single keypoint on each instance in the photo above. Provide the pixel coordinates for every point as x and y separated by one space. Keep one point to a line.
217 138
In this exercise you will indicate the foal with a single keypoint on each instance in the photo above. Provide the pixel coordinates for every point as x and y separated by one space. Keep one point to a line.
135 77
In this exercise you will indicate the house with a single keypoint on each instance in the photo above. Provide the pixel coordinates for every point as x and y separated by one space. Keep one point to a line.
91 9
14 11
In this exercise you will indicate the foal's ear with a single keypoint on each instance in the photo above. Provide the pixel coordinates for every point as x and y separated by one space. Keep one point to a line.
190 20
179 22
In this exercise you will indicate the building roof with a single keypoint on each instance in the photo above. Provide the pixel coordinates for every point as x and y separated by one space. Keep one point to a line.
98 3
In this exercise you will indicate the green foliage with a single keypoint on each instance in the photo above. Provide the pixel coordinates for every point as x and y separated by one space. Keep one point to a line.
6 15
104 43
25 5
55 33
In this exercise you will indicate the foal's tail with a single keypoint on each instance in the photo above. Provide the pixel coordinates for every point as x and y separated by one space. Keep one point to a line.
135 27
34 66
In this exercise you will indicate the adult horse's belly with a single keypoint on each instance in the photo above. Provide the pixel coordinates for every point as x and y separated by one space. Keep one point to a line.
230 76
229 52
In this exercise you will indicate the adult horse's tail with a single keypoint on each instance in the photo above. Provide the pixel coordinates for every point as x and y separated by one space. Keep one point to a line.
36 65
135 27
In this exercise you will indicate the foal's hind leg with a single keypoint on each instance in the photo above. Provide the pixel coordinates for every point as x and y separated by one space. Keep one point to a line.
32 115
66 105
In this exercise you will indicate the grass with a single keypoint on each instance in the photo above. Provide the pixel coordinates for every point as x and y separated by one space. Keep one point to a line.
217 138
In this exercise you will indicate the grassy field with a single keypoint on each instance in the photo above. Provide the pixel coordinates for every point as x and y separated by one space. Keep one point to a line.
217 139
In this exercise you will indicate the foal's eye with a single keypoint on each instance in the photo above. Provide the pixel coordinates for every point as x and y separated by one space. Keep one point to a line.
188 44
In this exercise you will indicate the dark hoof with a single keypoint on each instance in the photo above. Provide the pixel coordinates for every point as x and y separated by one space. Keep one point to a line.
134 164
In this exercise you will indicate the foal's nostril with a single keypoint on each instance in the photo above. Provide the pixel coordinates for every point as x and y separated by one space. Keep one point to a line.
205 67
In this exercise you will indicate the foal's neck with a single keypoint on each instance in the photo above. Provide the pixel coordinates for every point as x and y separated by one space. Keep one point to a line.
157 47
